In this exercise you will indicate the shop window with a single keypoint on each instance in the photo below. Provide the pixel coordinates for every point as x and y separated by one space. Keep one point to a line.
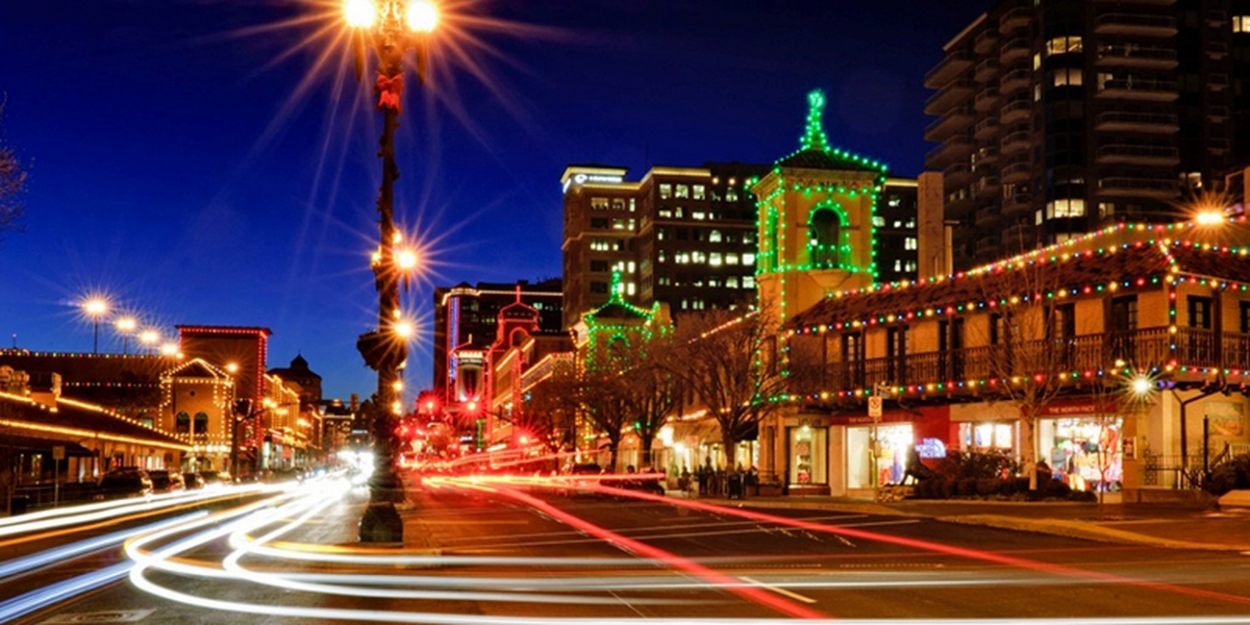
880 461
808 456
1082 451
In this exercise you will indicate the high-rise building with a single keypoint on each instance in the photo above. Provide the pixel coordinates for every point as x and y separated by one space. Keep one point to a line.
1054 117
685 236
465 325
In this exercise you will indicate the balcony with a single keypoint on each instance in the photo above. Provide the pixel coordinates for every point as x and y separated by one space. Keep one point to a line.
1143 2
952 66
1150 123
1017 204
958 205
957 175
985 156
1016 18
1130 88
987 187
1017 172
1217 114
1017 239
954 121
987 217
1126 154
1217 82
1015 80
1015 110
985 70
1016 142
1133 55
1157 188
985 128
1133 24
952 150
1144 348
949 96
987 99
986 249
985 41
1014 49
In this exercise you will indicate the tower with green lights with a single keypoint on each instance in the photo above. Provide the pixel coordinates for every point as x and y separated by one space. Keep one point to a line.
815 221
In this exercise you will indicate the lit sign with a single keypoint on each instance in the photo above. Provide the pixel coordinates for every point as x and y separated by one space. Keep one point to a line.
931 448
584 178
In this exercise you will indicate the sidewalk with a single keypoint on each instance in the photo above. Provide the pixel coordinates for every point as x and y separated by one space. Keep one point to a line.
1157 525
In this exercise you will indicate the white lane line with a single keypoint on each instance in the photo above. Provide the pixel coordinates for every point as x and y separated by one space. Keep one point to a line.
781 591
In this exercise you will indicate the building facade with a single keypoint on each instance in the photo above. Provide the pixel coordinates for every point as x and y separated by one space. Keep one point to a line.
465 326
1056 117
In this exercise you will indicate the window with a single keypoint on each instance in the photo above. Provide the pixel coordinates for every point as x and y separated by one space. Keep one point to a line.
748 282
748 258
1245 317
665 213
599 222
911 265
878 221
1063 45
894 202
682 258
748 238
700 192
1241 23
731 195
618 224
1200 312
731 259
714 236
666 191
1068 76
633 204
824 237
661 234
618 204
731 282
910 243
1060 209
631 288
600 245
715 259
599 203
698 215
598 287
662 257
683 191
598 265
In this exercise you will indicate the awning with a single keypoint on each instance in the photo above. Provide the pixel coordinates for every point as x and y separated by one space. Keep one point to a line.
43 445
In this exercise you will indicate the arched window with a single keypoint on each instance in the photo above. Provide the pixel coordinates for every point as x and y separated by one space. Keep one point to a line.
201 423
824 238
182 423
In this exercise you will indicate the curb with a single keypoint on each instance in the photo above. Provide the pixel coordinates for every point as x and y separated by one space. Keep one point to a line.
1082 530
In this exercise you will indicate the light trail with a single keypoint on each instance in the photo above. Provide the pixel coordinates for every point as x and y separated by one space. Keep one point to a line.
51 556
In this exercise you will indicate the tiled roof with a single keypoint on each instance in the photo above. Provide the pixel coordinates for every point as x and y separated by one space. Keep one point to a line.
821 159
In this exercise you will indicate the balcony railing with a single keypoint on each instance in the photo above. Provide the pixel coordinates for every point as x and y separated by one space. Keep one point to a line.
1138 349
1136 24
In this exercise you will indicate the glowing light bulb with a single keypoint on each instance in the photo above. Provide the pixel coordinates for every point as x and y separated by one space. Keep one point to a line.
360 13
422 16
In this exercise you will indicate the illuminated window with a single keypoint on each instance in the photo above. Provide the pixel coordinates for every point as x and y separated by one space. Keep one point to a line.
660 234
1063 45
1065 77
618 204
714 236
618 224
631 288
599 203
731 195
898 265
683 191
895 202
748 258
600 245
1241 23
731 282
909 243
698 257
698 215
878 221
700 192
682 258
715 260
662 257
748 282
910 266
666 191
665 213
1064 208
633 204
748 238
731 259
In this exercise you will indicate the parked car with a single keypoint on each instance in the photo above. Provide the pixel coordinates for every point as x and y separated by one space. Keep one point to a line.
125 482
215 479
166 480
193 480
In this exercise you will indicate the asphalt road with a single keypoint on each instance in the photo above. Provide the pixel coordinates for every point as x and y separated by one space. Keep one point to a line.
502 556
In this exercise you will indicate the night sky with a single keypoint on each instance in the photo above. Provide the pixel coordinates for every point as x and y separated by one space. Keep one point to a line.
213 161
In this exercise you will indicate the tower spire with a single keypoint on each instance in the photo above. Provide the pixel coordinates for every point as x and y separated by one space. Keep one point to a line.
815 138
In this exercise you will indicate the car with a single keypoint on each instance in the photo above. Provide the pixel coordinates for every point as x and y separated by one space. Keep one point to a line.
124 482
216 479
166 480
193 480
577 479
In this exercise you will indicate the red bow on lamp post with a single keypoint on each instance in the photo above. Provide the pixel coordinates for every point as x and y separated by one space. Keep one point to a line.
389 92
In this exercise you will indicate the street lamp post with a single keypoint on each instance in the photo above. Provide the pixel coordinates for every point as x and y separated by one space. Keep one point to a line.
392 27
126 326
95 308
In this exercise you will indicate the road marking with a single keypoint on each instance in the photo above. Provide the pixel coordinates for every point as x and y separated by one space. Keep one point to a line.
781 591
463 522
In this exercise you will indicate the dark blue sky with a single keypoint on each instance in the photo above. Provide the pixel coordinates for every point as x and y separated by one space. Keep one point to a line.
203 168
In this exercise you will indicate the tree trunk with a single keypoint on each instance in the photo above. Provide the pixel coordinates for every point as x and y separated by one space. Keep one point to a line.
1028 432
645 462
731 452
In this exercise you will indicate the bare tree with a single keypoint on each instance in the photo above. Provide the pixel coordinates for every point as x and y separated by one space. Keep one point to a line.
14 173
550 410
650 392
724 358
1029 347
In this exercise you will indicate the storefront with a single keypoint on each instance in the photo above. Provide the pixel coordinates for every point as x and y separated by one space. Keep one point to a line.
808 466
1083 451
894 443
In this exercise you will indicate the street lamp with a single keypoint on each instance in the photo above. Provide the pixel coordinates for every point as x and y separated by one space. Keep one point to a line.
125 326
149 338
95 308
393 27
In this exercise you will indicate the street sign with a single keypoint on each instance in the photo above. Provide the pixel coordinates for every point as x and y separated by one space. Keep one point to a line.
874 407
58 452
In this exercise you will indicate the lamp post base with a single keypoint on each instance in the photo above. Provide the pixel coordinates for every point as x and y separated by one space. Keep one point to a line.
381 524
